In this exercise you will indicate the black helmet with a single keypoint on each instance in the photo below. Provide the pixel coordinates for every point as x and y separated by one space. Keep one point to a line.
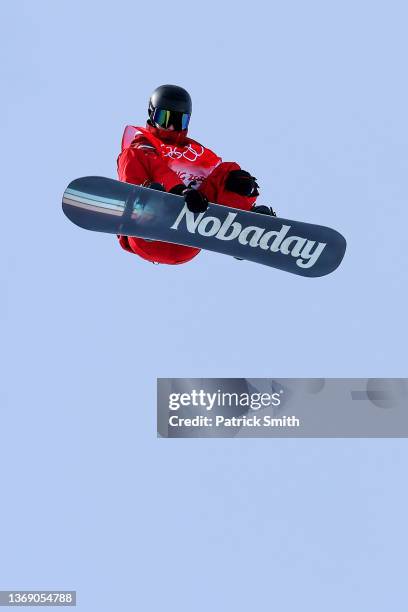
170 105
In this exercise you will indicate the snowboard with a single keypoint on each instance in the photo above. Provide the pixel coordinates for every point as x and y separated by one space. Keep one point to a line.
105 205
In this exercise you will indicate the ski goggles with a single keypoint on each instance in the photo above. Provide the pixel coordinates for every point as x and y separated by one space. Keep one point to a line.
166 118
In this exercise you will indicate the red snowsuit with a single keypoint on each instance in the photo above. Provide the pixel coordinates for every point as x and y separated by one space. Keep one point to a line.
155 155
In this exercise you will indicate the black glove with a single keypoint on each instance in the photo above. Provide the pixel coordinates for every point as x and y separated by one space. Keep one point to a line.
178 189
241 182
195 200
153 185
263 210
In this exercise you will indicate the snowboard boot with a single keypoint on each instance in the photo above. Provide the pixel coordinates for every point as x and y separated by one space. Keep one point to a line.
261 209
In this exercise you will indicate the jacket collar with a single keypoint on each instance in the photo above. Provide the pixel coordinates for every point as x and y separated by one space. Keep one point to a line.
167 136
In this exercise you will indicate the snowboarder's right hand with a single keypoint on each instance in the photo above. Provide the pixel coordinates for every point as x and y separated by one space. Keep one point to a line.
241 182
195 200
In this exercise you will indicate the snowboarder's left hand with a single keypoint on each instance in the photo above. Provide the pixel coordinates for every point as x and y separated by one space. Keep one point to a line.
195 200
241 182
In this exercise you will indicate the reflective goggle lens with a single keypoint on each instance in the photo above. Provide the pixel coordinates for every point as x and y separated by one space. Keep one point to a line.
166 118
185 119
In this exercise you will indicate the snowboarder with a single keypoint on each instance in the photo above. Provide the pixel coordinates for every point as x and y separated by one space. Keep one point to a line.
162 156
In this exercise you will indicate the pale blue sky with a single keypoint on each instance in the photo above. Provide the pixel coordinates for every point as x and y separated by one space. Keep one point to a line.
311 98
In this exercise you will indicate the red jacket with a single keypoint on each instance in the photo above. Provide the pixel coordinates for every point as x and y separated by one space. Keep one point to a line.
155 155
